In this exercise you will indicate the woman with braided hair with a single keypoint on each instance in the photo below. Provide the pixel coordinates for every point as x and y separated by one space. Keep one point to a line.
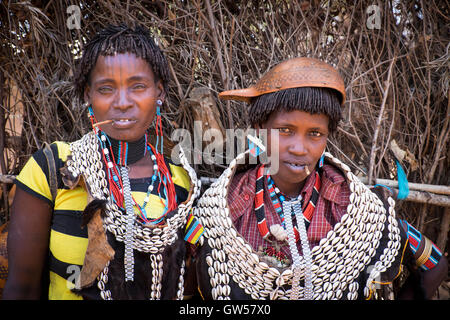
306 228
105 217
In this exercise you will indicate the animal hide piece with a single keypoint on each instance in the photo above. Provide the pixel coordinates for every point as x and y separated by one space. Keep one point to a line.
98 252
68 179
139 289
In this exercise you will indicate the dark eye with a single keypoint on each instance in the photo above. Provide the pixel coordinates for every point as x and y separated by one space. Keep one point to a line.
316 134
139 86
105 89
284 130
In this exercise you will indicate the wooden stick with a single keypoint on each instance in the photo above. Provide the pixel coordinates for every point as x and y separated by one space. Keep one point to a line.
440 145
439 189
7 178
378 124
428 198
102 122
427 194
445 224
426 188
442 200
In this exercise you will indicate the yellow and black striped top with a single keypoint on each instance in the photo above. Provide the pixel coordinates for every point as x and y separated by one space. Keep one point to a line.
68 241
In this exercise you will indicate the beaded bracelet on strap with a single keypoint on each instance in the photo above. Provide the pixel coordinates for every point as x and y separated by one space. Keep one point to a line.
430 254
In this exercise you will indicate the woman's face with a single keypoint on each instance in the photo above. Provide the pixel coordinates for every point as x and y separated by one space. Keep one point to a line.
123 88
302 140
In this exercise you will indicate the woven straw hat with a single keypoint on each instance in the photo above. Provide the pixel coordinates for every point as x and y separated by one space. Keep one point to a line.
292 73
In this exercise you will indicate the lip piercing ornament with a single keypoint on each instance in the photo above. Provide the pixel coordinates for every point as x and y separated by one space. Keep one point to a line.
307 170
102 122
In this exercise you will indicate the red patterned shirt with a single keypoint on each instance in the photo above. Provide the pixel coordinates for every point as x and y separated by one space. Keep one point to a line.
331 206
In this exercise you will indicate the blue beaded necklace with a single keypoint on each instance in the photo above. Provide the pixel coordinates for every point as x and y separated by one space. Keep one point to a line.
115 178
144 216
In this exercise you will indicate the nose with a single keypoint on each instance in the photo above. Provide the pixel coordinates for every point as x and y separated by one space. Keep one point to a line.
122 101
297 146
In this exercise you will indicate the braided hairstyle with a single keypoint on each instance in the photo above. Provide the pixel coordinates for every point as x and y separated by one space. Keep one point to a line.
314 100
116 39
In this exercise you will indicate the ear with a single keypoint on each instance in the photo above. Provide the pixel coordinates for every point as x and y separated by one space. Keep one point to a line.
259 127
161 92
87 95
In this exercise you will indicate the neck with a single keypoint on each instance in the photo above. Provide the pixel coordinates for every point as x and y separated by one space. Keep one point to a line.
291 190
127 153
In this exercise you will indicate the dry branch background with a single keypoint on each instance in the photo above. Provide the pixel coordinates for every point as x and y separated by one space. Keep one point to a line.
397 76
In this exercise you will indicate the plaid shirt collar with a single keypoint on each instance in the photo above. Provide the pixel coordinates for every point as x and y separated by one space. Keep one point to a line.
332 181
331 206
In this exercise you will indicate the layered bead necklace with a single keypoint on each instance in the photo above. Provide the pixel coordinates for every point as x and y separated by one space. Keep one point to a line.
120 186
278 198
287 209
126 154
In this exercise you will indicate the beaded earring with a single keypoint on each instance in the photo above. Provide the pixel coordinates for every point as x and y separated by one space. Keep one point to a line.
88 107
165 179
255 146
158 127
321 160
91 115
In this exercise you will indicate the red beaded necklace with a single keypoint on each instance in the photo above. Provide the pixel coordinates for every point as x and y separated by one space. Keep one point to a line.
276 200
114 178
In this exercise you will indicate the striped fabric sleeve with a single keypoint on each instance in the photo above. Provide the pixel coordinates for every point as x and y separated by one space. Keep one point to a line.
33 178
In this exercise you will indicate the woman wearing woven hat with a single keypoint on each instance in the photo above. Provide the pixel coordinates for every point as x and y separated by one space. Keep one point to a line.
105 217
311 229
